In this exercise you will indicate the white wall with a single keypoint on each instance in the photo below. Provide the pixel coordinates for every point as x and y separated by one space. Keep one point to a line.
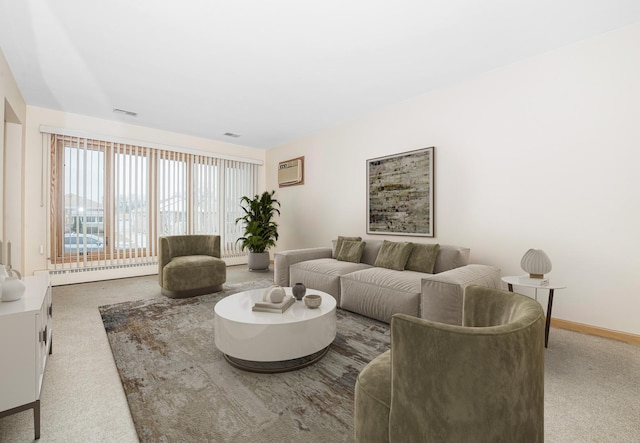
543 153
35 187
13 113
13 202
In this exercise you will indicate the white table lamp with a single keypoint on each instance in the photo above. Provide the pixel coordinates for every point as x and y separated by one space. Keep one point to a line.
536 263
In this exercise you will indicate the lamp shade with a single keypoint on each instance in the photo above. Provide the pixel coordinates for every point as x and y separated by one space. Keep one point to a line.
536 263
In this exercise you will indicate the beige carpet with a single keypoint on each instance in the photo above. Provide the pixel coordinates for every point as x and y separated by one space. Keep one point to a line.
592 389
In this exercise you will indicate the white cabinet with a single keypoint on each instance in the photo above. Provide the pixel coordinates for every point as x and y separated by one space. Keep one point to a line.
25 343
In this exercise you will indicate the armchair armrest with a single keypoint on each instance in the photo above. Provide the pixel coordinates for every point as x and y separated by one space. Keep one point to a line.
282 261
442 295
164 256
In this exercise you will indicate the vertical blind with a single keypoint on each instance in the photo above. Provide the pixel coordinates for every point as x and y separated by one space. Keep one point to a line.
111 201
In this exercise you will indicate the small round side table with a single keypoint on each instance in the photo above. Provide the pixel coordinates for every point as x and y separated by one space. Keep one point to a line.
545 283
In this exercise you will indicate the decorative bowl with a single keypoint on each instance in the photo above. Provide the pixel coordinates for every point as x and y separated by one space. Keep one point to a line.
312 301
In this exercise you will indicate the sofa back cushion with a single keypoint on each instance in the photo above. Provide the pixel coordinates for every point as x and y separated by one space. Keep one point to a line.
423 257
338 244
451 257
350 251
199 244
370 252
393 255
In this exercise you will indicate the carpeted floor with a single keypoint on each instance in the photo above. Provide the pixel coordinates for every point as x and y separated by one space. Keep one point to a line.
180 388
592 384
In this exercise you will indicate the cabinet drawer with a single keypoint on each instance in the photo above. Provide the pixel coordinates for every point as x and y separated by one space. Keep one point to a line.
18 383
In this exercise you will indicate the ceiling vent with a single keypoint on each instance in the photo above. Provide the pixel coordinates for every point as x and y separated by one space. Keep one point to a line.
125 112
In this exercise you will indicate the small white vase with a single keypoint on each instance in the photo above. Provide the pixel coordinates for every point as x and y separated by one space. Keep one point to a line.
3 276
12 289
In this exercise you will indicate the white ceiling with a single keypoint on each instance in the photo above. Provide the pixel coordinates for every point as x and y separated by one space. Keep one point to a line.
273 71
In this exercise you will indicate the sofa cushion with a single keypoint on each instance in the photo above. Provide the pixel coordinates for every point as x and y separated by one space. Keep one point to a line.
323 274
406 281
393 255
189 272
350 251
423 257
371 250
379 292
451 257
341 239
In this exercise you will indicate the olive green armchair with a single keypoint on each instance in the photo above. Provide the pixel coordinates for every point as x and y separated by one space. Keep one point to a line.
480 382
190 265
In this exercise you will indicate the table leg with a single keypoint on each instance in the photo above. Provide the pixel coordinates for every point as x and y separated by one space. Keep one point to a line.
36 419
546 328
36 415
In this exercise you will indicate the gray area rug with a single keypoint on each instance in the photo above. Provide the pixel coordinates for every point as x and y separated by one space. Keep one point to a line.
180 388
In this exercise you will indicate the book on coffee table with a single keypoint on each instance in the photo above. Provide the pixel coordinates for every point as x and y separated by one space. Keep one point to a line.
264 306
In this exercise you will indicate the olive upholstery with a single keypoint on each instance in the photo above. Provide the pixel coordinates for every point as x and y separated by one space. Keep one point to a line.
479 382
190 265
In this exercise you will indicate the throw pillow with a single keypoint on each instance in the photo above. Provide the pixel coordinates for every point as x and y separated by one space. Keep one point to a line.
423 258
339 243
351 251
393 255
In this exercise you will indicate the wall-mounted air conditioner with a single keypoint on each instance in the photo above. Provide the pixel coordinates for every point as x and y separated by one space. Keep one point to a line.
291 172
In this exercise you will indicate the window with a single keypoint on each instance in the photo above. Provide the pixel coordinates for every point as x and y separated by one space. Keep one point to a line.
110 201
81 244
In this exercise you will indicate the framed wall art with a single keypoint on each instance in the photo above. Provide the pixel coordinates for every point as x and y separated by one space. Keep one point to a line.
400 194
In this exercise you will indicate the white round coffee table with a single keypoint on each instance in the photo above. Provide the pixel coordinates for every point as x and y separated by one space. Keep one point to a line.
273 342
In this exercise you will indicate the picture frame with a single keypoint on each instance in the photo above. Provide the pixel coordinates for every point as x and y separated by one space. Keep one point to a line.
400 194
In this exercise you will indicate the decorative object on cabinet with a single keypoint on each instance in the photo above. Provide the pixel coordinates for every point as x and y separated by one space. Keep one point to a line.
11 287
400 194
3 273
25 332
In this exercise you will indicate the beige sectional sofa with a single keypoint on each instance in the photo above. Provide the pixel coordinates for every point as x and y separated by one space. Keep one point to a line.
379 292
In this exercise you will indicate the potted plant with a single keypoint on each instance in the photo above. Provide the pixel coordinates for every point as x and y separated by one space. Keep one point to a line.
260 231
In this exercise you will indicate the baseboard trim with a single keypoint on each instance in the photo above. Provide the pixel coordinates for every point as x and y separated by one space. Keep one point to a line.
594 330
